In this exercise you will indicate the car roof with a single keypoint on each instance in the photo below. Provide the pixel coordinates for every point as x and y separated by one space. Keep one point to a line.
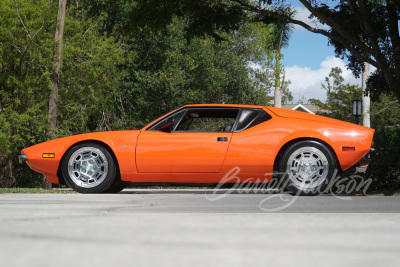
223 105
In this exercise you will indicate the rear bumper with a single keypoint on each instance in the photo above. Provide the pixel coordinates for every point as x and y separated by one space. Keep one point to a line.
361 166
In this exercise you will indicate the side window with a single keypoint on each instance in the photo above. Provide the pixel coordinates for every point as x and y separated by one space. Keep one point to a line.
251 117
175 118
208 120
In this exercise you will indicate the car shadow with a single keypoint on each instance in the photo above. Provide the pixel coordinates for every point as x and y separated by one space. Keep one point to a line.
198 191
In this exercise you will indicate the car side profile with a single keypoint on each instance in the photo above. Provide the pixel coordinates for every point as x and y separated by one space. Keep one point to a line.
201 144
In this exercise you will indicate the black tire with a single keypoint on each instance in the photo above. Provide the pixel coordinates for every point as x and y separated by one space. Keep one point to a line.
99 172
306 168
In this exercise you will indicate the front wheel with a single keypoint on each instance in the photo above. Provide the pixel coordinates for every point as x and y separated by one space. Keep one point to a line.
306 168
89 168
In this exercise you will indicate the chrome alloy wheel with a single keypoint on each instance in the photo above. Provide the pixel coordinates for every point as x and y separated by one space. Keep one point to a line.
307 167
87 167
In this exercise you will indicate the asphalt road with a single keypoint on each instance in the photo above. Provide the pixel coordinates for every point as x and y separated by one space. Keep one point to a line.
198 228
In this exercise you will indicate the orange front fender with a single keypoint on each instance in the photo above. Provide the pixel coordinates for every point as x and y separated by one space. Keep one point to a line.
122 144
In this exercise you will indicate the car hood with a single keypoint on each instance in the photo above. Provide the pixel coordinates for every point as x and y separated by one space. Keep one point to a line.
60 145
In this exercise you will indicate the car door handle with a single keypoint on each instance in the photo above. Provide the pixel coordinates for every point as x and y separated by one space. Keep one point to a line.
222 139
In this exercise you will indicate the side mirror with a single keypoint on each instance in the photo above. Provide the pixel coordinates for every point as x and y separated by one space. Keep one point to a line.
168 126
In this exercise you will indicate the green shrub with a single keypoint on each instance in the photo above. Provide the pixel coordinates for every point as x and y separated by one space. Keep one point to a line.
384 165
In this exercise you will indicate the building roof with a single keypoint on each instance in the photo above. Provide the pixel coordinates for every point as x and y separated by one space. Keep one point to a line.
302 107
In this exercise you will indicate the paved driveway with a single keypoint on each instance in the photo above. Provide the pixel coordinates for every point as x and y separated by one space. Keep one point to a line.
193 228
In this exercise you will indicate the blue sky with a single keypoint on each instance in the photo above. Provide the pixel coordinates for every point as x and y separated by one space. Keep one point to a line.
306 49
309 59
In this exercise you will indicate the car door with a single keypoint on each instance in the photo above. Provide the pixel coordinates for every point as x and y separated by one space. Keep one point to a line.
196 142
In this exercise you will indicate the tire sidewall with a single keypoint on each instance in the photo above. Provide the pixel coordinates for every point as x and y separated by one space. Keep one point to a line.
104 185
288 183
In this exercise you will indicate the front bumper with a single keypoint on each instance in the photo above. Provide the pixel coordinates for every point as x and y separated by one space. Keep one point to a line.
22 158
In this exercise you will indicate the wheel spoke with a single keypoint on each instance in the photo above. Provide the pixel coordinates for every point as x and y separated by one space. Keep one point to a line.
295 166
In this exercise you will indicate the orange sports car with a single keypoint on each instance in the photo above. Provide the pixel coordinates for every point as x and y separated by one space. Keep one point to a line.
202 144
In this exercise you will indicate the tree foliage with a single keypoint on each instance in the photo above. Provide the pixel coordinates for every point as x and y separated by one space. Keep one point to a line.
286 93
172 72
114 77
26 50
26 45
338 104
384 166
91 74
361 31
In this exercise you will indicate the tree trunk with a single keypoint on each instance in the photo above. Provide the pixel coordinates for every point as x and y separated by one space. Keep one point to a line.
56 70
366 101
56 75
278 93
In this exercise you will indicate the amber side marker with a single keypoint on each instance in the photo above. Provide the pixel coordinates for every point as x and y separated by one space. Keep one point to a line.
348 148
48 155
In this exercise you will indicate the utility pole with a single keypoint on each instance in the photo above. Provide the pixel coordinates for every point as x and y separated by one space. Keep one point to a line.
366 100
55 78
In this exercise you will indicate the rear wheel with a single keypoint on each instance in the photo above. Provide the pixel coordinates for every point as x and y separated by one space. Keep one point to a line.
306 168
89 168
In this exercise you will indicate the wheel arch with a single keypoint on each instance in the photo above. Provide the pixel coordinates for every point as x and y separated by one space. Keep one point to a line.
300 139
104 144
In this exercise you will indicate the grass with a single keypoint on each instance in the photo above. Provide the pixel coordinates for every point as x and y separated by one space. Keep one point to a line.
397 193
394 192
35 191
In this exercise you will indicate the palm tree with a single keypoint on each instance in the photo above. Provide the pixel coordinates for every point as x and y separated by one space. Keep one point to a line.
282 32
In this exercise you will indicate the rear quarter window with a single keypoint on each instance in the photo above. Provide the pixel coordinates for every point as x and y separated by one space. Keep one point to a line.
250 118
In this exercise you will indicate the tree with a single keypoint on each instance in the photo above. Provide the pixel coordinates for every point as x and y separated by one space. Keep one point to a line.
26 49
362 31
385 112
56 75
172 71
237 55
91 75
209 17
281 33
384 165
57 67
338 104
286 93
90 72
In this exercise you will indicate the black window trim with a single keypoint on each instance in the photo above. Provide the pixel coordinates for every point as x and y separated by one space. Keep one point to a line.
196 107
162 119
187 108
176 125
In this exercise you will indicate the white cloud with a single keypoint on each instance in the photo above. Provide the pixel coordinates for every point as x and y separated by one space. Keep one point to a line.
307 82
303 14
